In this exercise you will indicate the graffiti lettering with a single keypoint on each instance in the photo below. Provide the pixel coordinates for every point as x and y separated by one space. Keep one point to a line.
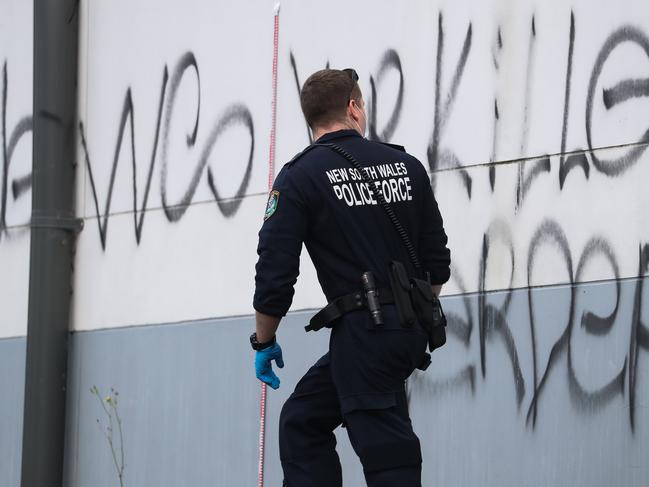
21 184
235 114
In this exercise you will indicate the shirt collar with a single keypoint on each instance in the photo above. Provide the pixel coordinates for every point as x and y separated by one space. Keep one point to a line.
338 134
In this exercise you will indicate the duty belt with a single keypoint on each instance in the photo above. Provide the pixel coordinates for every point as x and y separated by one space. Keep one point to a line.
343 305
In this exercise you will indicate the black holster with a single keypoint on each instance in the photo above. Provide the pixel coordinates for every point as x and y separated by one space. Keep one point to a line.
401 292
415 300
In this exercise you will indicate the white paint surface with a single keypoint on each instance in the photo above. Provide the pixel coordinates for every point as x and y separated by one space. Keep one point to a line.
127 46
16 28
529 86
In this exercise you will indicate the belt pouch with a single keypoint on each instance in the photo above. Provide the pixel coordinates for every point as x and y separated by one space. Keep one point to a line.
401 293
429 312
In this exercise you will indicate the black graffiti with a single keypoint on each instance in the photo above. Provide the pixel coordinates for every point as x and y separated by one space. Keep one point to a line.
528 85
567 162
623 91
389 61
21 184
438 156
235 114
298 85
626 90
521 188
175 212
540 166
494 141
445 158
464 377
551 233
128 114
494 325
495 54
573 160
492 319
596 325
591 322
492 166
461 329
639 331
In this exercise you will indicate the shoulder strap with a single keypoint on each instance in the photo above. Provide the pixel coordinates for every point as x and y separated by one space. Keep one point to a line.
378 194
301 153
394 146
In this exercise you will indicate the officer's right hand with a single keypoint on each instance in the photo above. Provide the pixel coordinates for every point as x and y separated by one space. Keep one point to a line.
263 366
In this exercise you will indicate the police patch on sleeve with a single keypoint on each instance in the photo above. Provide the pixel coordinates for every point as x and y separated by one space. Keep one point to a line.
271 206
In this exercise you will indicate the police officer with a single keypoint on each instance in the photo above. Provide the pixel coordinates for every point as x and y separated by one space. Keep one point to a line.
320 199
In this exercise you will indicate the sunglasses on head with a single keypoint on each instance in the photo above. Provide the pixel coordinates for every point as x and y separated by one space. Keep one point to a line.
353 75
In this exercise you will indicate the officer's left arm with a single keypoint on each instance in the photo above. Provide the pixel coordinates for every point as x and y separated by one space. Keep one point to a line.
280 243
266 326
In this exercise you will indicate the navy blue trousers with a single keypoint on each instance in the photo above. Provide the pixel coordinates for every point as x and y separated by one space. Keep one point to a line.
360 384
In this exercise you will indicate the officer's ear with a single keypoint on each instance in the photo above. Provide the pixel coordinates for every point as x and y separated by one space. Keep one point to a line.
349 109
354 110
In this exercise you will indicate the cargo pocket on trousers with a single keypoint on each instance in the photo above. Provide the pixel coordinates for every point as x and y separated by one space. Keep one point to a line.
367 401
381 432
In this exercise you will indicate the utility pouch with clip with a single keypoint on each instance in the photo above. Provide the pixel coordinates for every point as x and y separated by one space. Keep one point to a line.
401 293
429 312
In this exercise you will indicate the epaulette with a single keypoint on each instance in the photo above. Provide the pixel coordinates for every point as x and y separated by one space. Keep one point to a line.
394 146
300 154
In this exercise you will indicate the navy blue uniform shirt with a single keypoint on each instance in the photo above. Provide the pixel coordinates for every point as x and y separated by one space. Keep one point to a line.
319 199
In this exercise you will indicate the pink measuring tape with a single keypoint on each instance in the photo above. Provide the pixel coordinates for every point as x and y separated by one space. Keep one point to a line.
271 175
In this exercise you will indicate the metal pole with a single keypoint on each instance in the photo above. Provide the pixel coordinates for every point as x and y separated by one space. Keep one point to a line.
53 231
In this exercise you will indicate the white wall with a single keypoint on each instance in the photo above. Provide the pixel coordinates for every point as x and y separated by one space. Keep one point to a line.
516 59
16 27
228 47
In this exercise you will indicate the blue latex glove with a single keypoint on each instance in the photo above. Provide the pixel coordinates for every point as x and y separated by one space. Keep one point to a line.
263 367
